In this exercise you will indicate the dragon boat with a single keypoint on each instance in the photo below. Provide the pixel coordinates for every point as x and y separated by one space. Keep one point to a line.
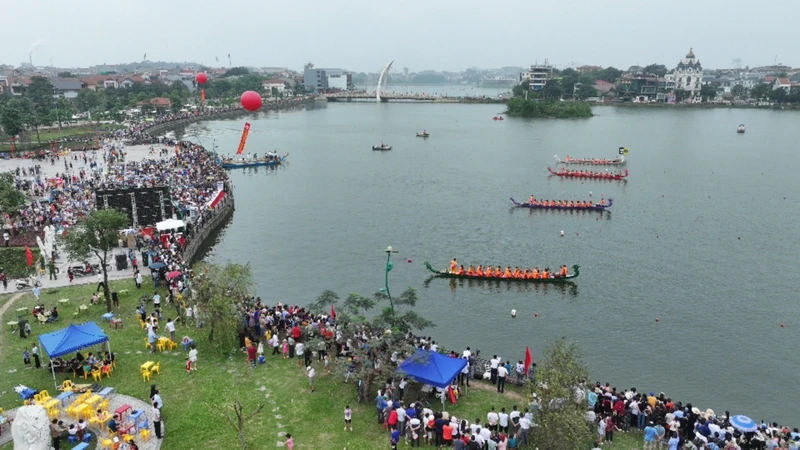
230 163
383 148
592 161
557 279
598 176
565 208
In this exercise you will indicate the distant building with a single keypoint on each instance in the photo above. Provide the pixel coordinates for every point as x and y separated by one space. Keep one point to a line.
688 75
537 76
324 79
268 85
641 88
782 83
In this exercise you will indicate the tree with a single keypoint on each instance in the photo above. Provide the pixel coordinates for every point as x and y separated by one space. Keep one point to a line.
761 91
234 413
560 419
656 69
708 92
738 91
385 333
66 75
586 91
778 95
218 292
40 93
11 199
609 74
552 90
236 71
97 234
12 118
519 90
274 92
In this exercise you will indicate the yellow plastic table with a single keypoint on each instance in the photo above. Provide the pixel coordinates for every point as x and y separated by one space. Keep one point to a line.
147 365
52 403
93 399
64 301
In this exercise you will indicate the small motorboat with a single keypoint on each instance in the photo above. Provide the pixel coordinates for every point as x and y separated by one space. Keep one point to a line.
498 118
382 147
740 128
423 134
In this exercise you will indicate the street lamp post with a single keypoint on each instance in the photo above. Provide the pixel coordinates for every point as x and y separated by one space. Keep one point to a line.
389 266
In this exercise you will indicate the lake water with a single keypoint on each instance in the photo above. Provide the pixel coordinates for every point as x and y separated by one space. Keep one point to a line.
703 236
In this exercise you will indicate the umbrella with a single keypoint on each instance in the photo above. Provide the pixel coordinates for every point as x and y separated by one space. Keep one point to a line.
173 274
744 424
156 266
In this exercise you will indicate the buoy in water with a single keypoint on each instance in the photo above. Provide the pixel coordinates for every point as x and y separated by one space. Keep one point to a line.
514 313
656 319
535 314
562 233
409 261
783 326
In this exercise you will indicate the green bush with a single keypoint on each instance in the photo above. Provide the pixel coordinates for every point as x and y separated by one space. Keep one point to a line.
518 106
13 261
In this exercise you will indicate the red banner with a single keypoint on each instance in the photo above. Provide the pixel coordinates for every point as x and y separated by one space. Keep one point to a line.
244 138
29 256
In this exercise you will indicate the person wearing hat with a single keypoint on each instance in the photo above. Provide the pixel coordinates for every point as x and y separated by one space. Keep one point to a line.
650 436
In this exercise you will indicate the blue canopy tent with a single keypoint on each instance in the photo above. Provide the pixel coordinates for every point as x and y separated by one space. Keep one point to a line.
432 368
71 339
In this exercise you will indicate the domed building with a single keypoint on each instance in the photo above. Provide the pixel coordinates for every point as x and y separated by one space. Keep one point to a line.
688 75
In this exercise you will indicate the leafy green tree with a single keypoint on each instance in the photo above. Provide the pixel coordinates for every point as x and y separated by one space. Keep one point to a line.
519 90
552 90
560 419
778 95
681 95
535 108
12 117
610 74
66 75
708 92
656 69
274 92
11 199
386 332
218 291
98 234
236 71
40 93
586 91
761 91
738 91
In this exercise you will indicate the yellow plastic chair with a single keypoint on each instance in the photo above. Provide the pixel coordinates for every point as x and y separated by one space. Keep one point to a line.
97 375
145 434
156 368
103 406
106 443
142 323
72 409
52 413
145 375
160 346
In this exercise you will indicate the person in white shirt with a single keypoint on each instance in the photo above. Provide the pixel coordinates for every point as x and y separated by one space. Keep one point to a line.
171 328
193 357
467 353
434 346
524 431
494 364
311 374
492 418
502 373
477 437
156 299
401 419
503 420
485 434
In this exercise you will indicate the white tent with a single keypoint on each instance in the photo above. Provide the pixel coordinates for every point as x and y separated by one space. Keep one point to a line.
170 224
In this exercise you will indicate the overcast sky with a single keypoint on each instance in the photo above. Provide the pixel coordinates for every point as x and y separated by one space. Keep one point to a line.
364 35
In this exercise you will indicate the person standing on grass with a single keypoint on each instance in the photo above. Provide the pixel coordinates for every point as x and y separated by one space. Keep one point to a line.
394 438
502 373
601 430
188 365
56 429
299 349
311 374
26 357
251 355
650 437
611 427
138 278
193 357
348 418
171 328
289 442
35 352
276 345
100 282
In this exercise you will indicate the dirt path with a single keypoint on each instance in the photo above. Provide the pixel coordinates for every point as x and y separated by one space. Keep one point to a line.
491 388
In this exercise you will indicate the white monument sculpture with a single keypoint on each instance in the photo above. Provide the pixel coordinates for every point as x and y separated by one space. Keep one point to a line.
48 245
31 429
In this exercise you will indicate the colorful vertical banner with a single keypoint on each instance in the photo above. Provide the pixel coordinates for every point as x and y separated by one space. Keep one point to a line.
203 95
244 138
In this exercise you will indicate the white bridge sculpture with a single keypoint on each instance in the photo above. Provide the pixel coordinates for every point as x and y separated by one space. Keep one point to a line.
382 80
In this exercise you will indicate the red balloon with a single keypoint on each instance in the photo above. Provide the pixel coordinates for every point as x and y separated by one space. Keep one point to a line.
251 101
201 78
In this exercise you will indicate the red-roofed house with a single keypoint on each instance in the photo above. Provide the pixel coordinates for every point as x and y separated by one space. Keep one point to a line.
769 80
782 83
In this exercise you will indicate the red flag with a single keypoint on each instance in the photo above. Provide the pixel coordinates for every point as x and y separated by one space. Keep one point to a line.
333 312
528 359
29 256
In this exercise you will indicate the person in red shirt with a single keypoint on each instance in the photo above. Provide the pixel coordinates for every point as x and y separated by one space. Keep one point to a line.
391 422
188 365
447 434
251 354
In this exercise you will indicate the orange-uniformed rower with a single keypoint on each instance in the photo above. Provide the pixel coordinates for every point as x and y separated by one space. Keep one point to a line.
453 266
498 272
526 273
489 271
471 271
517 273
564 271
535 274
545 273
508 273
532 200
461 271
603 201
479 271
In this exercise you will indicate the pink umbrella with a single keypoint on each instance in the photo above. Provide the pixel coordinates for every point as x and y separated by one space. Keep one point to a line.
173 274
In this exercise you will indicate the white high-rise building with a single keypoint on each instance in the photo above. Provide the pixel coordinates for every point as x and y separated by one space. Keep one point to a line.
688 76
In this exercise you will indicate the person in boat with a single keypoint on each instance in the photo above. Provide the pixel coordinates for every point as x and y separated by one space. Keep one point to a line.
471 271
489 272
516 273
564 271
532 200
498 272
479 271
602 202
508 273
535 273
453 263
546 273
461 270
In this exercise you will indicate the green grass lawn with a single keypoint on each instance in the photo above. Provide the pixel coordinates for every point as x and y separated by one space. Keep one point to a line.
192 402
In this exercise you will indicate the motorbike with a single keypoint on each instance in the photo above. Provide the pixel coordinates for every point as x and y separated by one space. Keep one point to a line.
25 283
